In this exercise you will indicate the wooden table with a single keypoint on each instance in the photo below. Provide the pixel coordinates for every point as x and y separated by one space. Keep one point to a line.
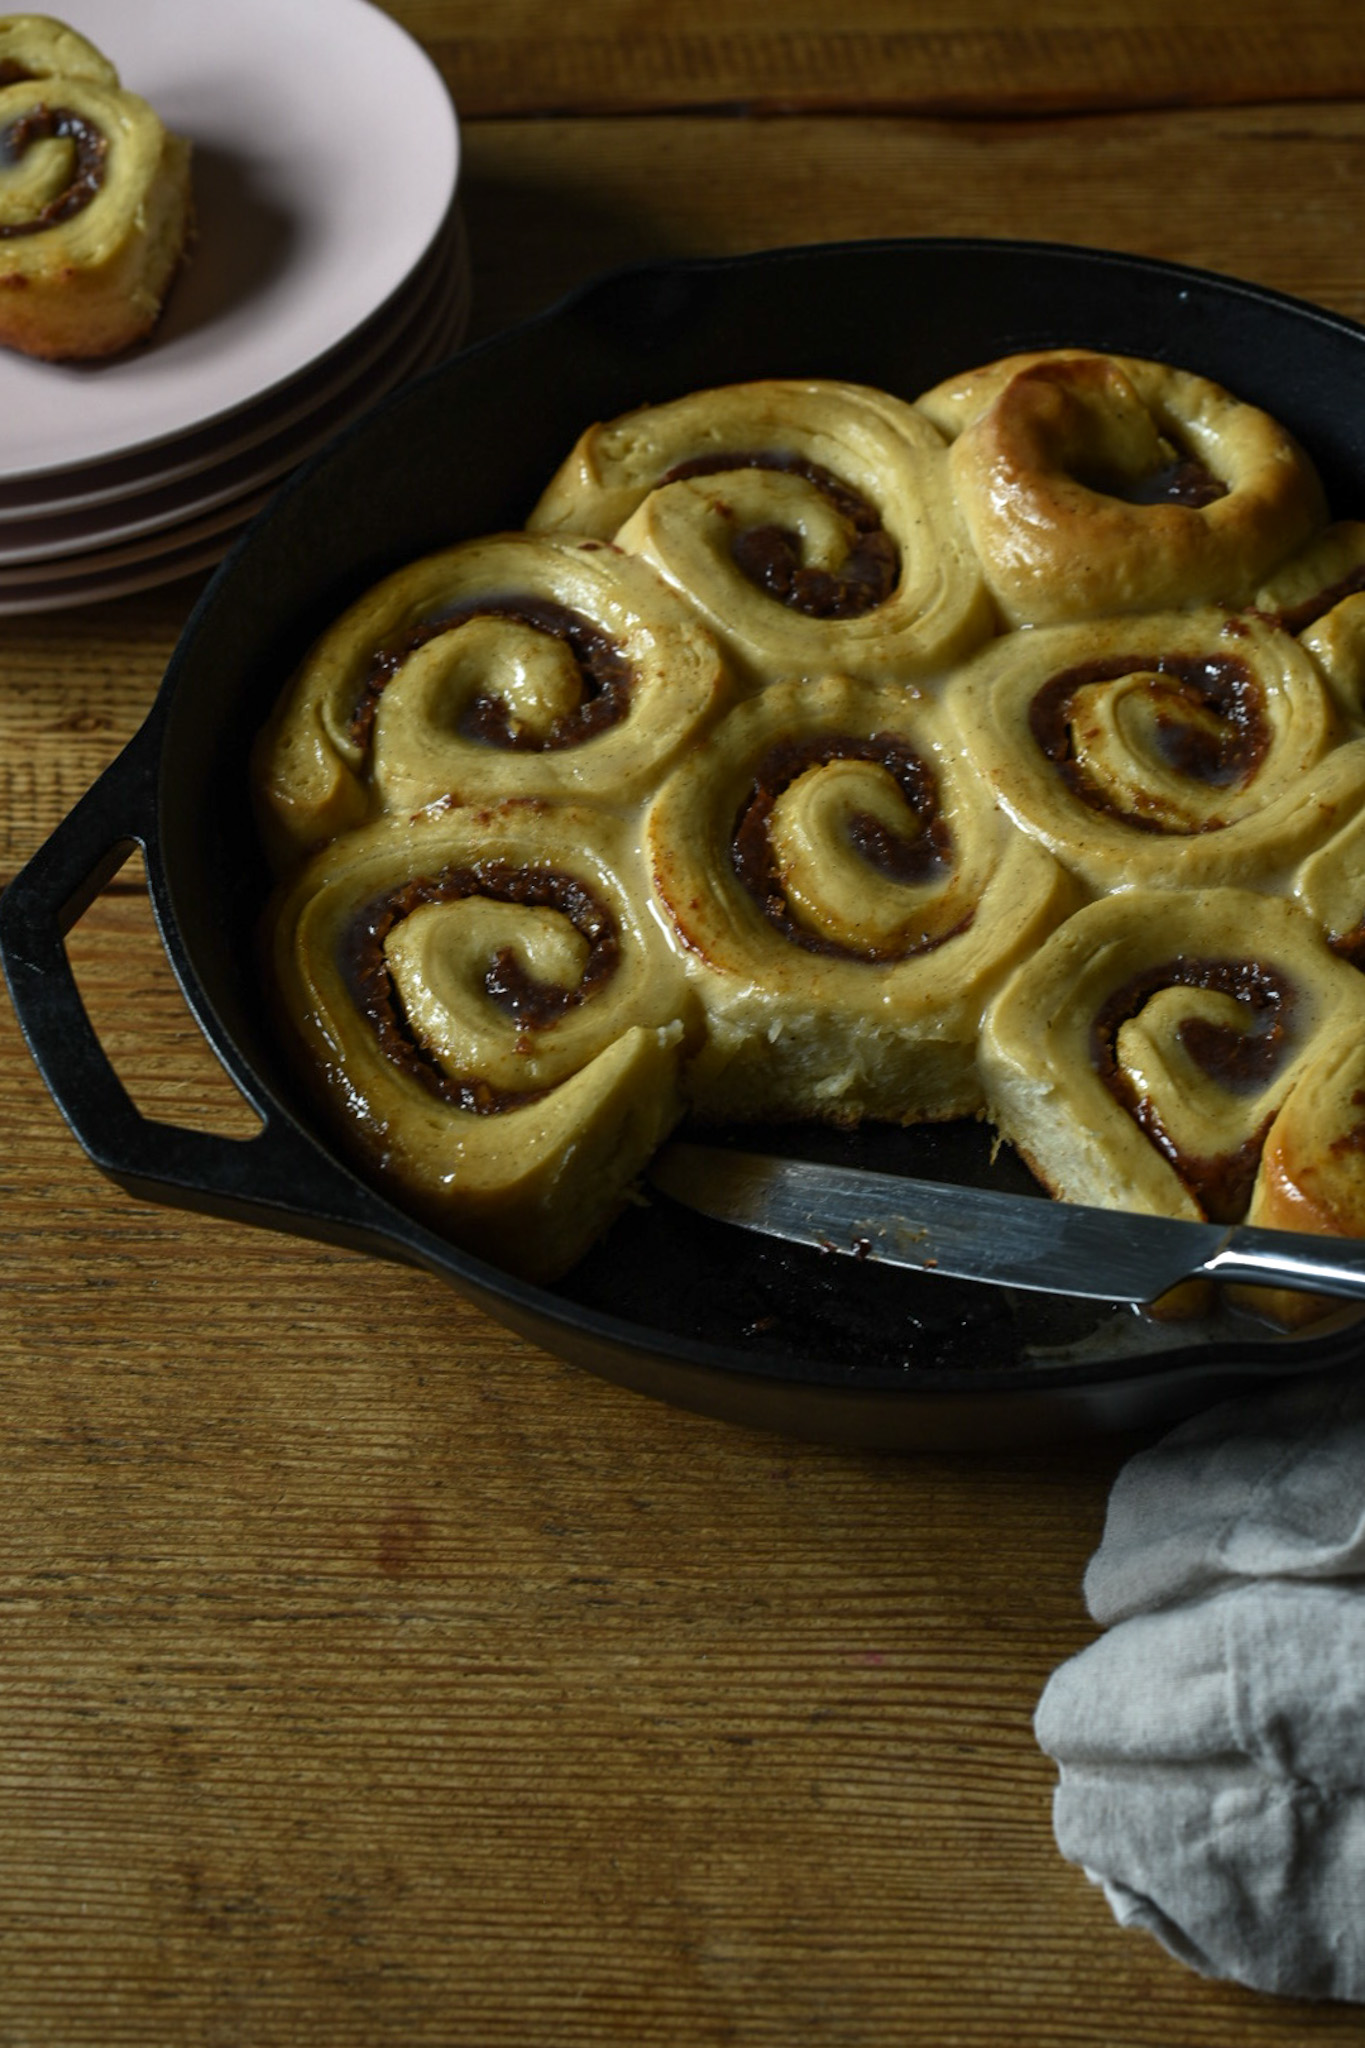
369 1677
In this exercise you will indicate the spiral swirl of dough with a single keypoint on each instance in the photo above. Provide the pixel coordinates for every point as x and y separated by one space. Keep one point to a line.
39 46
1319 596
1190 748
490 1017
811 524
1096 484
1138 1060
846 897
1330 886
95 201
521 665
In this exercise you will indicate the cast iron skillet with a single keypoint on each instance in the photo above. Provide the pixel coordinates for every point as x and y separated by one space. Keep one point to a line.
667 1303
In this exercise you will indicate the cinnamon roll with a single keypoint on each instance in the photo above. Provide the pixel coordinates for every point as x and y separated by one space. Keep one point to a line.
846 897
1312 1171
487 1012
1191 748
520 665
1140 1058
812 525
95 204
1095 484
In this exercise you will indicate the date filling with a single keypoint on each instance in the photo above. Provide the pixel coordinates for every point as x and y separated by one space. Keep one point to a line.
1210 725
608 676
914 858
530 1004
1240 1061
51 124
770 557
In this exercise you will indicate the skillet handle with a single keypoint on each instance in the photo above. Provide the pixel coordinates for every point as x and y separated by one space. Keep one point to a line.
278 1177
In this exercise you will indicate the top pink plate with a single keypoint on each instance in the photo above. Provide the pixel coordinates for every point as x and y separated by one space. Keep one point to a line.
326 158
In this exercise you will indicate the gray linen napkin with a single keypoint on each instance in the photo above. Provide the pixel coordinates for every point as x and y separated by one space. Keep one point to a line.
1211 1744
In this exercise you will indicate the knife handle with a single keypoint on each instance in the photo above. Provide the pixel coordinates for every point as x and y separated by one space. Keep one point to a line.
1250 1257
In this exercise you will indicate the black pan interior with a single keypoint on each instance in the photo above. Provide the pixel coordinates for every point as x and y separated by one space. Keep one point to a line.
466 451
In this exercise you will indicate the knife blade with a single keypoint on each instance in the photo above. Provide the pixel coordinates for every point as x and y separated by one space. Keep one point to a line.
1005 1240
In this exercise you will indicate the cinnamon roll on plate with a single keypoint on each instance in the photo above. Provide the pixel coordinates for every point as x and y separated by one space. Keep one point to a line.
95 201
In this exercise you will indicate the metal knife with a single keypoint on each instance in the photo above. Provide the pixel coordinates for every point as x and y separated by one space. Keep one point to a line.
1005 1240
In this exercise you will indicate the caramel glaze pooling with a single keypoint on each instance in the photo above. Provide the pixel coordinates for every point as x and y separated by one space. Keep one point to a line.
46 124
910 859
1185 481
1221 744
770 556
1240 1061
608 677
529 1003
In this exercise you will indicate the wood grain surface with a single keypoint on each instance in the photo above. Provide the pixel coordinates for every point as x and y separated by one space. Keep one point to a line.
368 1677
1263 193
988 57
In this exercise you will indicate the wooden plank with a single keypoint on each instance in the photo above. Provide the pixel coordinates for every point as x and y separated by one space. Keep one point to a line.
535 57
1267 194
372 1679
74 687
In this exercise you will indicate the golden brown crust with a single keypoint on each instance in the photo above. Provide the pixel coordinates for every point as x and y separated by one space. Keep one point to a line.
1050 449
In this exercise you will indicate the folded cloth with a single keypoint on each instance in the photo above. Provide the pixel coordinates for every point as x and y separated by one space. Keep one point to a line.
1211 1744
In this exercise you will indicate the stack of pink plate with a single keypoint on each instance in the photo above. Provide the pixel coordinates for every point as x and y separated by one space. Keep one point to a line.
328 267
